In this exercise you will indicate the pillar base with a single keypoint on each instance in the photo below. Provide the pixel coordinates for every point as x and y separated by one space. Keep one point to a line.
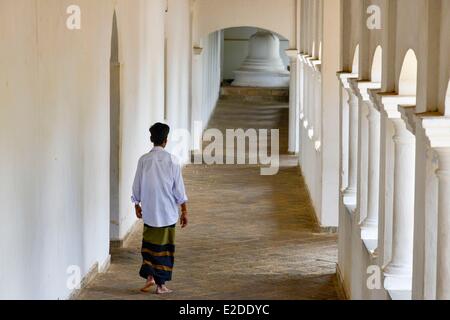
397 277
349 198
369 229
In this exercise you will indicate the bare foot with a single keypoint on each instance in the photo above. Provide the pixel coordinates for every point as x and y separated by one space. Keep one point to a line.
163 290
150 283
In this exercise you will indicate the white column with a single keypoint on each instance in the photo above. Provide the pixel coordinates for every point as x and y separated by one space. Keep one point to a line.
350 192
369 227
318 106
437 129
312 99
303 80
344 127
300 103
344 139
443 254
398 273
307 106
197 97
293 102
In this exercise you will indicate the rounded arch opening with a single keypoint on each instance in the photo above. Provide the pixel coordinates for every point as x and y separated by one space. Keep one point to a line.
377 65
206 33
355 63
407 84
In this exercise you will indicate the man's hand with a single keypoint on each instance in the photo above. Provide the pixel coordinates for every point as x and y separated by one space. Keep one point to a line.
184 220
138 211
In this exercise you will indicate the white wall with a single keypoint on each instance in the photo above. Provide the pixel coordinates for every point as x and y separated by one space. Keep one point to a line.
141 41
178 54
236 44
54 134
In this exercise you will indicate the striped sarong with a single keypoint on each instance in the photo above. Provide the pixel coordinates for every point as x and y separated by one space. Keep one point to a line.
158 251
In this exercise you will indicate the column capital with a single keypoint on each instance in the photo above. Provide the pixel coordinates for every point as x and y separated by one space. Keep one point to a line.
402 134
197 51
317 65
344 78
374 114
303 57
361 88
352 98
444 162
310 61
293 54
408 114
437 129
389 103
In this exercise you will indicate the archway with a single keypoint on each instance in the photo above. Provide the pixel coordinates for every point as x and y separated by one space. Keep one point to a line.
114 131
207 73
407 84
236 48
207 76
377 65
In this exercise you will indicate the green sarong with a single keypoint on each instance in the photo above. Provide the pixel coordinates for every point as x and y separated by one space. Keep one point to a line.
158 253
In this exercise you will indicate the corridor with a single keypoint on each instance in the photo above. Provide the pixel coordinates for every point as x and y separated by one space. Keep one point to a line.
250 236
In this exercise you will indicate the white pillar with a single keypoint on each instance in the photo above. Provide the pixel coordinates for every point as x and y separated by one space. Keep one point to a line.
312 99
350 192
303 79
318 107
344 128
300 103
369 227
197 96
293 102
443 254
307 99
344 136
398 273
437 129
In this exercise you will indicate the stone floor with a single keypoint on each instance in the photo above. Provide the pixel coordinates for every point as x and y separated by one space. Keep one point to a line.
250 236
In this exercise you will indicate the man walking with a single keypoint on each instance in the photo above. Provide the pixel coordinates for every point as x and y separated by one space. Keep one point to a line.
158 191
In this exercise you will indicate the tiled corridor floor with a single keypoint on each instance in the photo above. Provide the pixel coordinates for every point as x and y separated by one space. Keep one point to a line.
250 236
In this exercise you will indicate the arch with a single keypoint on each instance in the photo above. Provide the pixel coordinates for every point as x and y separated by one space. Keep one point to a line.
355 63
214 15
447 100
407 83
114 125
377 65
207 33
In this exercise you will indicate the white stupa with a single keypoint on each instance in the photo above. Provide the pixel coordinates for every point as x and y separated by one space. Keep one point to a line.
263 67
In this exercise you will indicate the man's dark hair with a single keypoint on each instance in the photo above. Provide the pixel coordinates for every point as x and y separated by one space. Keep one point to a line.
159 133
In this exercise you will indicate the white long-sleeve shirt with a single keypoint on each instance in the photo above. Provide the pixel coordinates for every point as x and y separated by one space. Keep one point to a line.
159 188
